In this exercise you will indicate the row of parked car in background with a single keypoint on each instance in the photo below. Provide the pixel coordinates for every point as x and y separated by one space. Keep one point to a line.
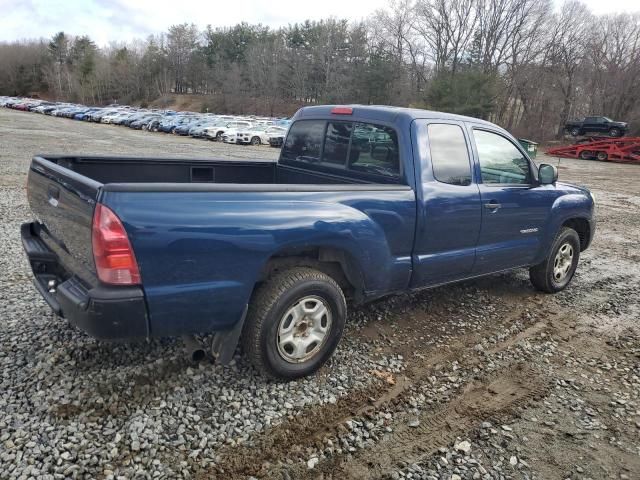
241 130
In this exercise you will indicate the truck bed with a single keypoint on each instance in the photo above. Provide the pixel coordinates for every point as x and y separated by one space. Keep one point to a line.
203 231
107 169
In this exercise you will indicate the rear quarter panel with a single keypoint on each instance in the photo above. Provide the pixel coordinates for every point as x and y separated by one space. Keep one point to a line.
201 253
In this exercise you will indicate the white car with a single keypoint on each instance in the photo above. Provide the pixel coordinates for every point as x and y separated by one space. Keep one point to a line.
230 136
109 118
217 132
257 135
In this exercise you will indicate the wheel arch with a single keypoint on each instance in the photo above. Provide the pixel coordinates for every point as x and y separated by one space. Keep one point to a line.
582 228
338 263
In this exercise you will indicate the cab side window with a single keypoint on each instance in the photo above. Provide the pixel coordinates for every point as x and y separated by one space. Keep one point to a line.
449 155
500 161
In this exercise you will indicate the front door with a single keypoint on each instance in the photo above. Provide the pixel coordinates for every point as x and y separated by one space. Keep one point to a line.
594 124
449 211
514 206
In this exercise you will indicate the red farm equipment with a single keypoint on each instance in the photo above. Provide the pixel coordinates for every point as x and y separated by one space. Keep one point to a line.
623 149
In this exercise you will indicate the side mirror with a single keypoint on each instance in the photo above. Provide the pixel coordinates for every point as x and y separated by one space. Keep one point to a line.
547 174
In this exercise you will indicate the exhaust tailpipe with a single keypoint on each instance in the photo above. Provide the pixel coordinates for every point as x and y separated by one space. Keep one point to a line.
194 348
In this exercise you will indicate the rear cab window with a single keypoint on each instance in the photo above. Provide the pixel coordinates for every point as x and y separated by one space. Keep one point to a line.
304 142
358 150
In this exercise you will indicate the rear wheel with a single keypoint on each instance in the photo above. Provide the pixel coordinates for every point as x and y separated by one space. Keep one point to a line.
575 131
294 323
219 136
555 272
586 155
602 156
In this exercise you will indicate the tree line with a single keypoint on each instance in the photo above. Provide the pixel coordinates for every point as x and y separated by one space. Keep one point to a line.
520 63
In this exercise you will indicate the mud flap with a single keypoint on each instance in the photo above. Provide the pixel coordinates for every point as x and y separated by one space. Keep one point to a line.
224 344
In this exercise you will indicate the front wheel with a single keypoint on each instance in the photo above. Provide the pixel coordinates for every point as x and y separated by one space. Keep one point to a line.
294 323
615 132
555 272
575 131
256 141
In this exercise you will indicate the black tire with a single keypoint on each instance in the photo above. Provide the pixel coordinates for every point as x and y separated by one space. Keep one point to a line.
256 141
586 155
602 156
543 276
269 305
615 132
219 136
575 131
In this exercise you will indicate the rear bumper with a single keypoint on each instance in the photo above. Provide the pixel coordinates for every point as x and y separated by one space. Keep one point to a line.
103 312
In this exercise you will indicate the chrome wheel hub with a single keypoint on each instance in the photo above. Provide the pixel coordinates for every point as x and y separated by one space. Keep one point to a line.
303 329
562 263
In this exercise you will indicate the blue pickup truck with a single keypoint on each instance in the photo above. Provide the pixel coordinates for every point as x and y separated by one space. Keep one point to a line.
363 202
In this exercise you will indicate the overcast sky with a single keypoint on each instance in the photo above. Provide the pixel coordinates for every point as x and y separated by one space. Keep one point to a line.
122 20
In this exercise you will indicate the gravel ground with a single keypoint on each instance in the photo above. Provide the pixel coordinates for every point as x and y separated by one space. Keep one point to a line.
483 380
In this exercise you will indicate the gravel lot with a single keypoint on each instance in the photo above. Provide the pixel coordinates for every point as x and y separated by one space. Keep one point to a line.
483 380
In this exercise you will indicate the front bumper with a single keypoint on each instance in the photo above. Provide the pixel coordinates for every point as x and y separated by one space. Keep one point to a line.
105 312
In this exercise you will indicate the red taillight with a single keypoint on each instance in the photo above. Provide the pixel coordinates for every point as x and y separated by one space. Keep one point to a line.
115 262
342 110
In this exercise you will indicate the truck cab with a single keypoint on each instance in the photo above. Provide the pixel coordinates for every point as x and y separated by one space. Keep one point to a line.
480 204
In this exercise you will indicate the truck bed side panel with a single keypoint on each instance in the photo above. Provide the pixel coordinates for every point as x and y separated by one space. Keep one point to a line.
203 252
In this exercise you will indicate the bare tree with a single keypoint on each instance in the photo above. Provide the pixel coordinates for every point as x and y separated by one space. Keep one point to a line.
447 27
567 46
182 41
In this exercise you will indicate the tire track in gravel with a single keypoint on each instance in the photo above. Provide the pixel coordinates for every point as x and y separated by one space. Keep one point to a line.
288 438
494 398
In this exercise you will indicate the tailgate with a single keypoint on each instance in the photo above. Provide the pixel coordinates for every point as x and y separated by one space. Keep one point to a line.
62 202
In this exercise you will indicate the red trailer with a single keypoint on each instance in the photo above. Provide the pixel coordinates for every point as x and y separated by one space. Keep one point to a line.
624 149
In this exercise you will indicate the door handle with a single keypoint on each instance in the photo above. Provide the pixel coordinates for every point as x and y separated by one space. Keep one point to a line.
492 205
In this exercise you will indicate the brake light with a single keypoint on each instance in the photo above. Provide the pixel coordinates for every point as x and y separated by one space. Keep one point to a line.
342 110
115 262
